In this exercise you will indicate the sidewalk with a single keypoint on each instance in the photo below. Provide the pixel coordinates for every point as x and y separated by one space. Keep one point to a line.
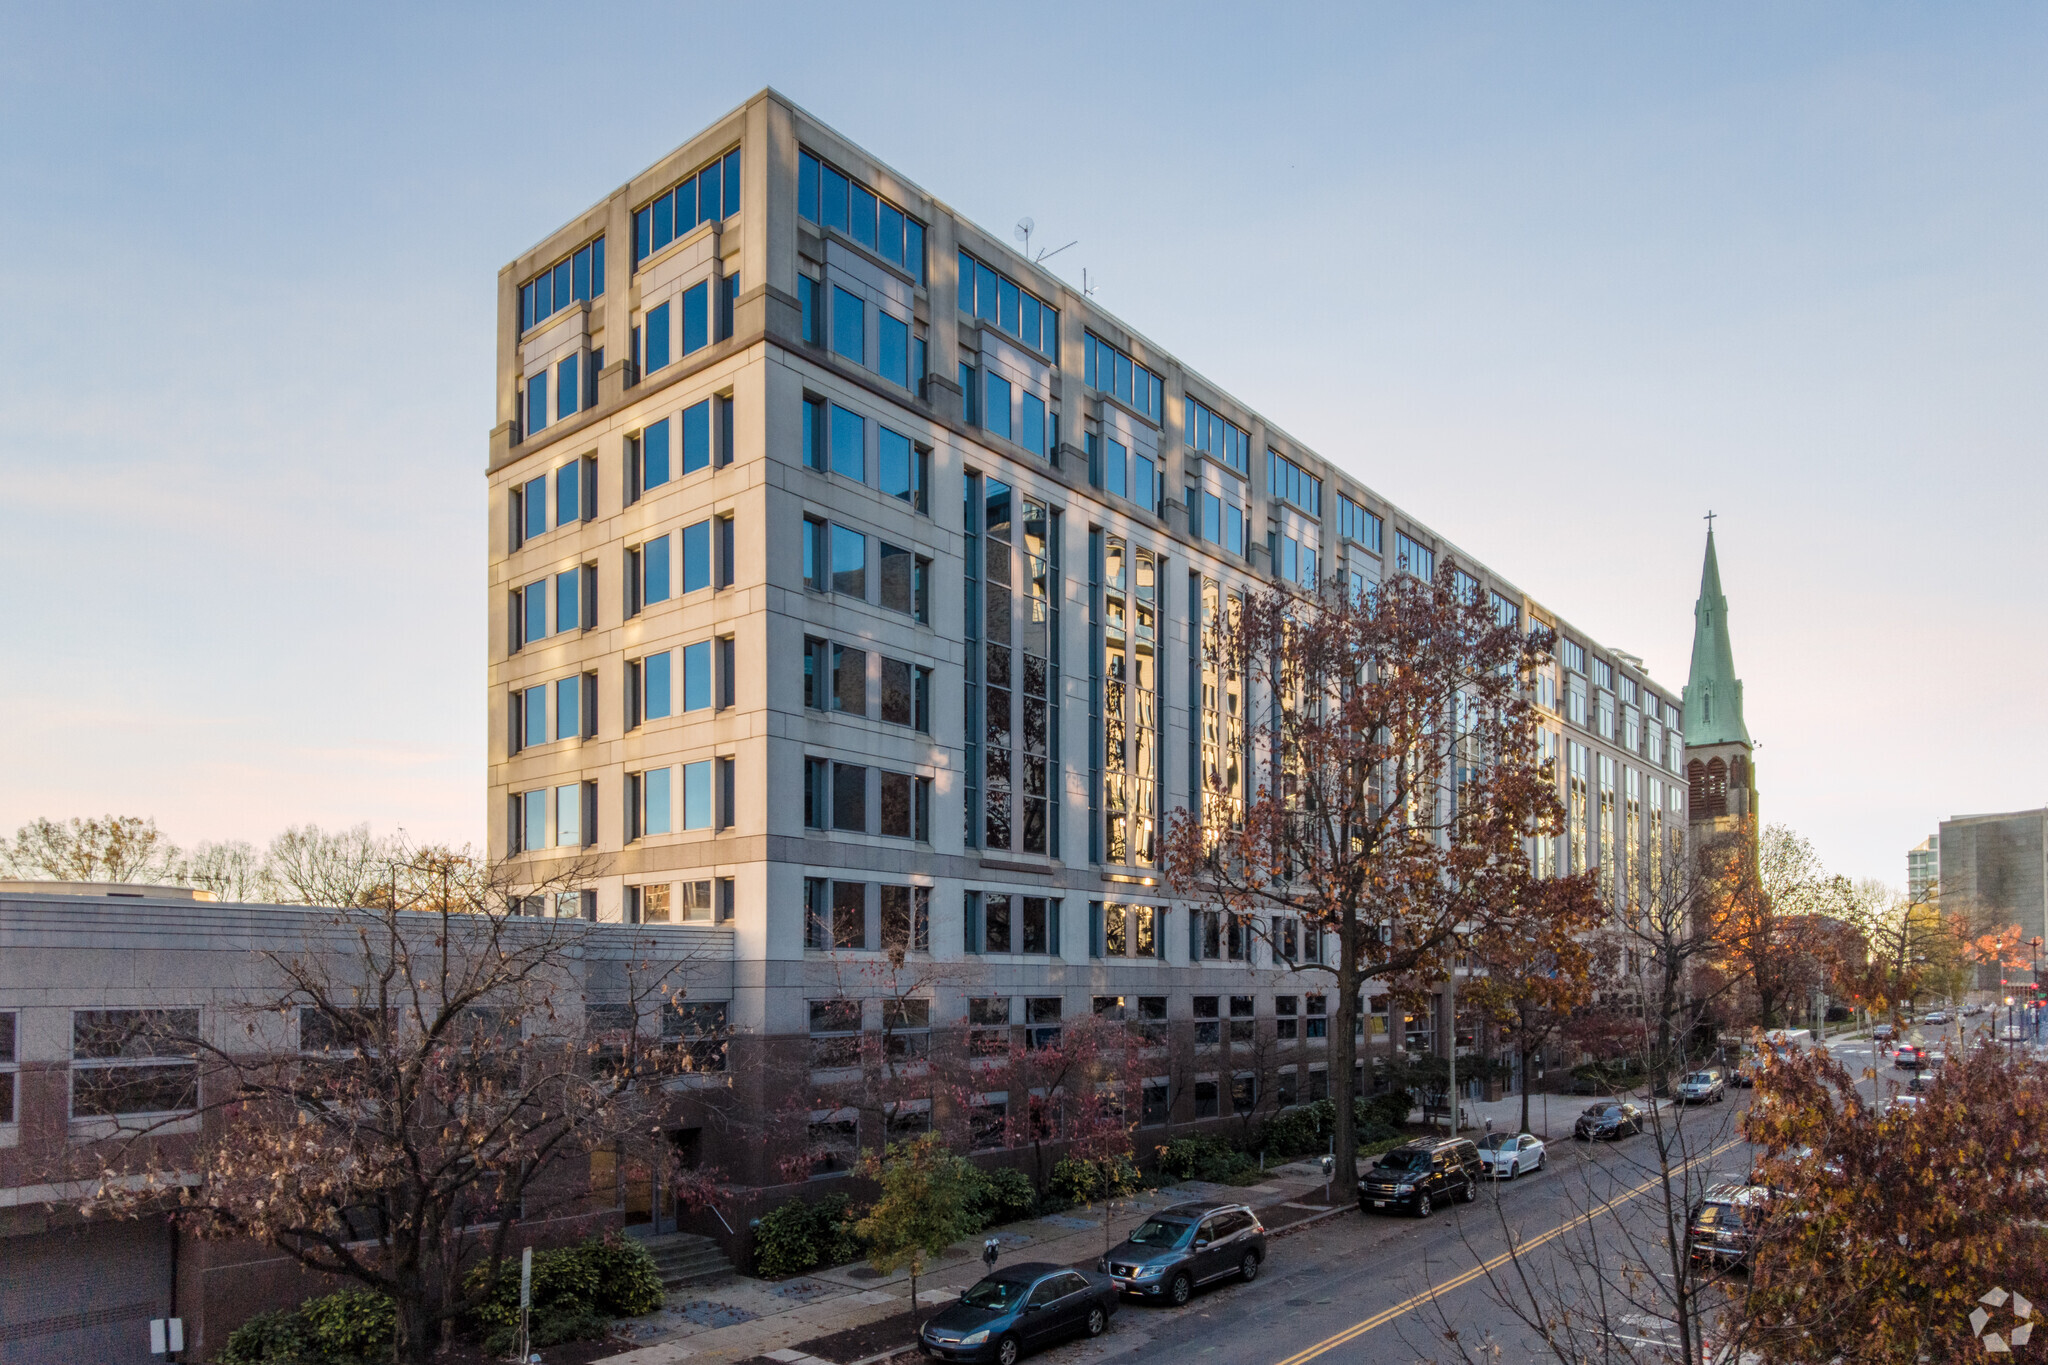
747 1320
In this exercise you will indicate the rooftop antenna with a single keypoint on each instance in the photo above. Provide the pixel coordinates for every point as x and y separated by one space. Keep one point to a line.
1025 227
1087 289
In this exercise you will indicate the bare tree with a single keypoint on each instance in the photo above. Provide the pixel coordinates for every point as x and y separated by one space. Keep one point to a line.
109 848
233 870
417 1081
313 866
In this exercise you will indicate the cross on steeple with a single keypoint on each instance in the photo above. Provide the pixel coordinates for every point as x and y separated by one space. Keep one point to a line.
1710 519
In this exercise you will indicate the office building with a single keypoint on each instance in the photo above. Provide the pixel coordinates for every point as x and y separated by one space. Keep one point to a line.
1993 870
847 576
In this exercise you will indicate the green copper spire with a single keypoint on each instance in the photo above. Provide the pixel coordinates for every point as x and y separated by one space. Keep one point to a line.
1713 694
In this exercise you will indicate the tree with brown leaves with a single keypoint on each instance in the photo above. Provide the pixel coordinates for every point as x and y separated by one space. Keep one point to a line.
1397 786
1893 1220
412 1083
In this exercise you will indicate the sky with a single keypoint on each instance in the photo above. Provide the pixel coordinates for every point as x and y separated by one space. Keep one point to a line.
1557 280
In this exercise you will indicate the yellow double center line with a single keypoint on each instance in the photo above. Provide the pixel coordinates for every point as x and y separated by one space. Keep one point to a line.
1381 1319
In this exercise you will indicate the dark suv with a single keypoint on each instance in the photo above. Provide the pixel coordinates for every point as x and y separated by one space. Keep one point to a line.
1724 1226
1186 1245
1421 1175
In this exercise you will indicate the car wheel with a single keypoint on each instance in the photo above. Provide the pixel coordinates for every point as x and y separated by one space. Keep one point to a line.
1539 1158
1006 1351
1248 1268
1422 1208
1515 1169
1097 1321
1180 1289
1470 1194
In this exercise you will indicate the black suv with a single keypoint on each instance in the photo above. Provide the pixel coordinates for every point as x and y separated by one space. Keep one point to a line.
1724 1225
1180 1247
1421 1175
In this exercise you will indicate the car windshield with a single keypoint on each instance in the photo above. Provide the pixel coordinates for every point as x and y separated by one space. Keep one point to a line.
1697 1078
1601 1111
1160 1232
997 1294
1405 1161
1498 1142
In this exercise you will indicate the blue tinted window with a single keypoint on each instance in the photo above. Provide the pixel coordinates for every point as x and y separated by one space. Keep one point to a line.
536 499
996 408
567 387
654 455
889 227
697 556
582 273
664 221
537 402
643 233
536 819
849 562
807 185
711 193
568 708
913 248
535 601
656 801
597 268
696 317
568 496
833 185
849 326
569 816
1114 460
849 444
563 292
544 296
966 283
1289 549
894 343
536 716
697 795
696 436
1233 531
732 182
1032 422
895 463
985 291
1145 485
657 685
568 611
697 676
1007 296
654 571
860 208
1212 518
657 338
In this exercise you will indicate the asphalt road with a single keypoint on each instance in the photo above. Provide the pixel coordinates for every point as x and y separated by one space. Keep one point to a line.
1361 1288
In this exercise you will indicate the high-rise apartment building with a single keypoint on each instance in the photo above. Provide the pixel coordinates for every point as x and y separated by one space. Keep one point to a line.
1994 870
1923 870
847 581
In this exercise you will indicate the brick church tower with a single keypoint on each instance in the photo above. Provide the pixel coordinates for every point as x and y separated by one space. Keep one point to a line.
1719 768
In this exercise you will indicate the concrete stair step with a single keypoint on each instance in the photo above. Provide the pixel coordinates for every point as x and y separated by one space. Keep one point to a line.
685 1258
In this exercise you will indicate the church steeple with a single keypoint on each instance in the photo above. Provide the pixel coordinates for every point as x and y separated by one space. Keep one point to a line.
1713 694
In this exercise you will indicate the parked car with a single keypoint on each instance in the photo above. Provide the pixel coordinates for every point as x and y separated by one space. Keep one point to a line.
1935 1017
1703 1087
1972 1011
1506 1156
1904 1104
1020 1307
1724 1225
1421 1175
1178 1248
1608 1121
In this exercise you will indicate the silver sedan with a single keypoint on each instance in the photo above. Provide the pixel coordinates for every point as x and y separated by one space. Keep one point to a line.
1506 1156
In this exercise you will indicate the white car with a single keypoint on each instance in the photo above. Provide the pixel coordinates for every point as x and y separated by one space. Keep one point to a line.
1505 1156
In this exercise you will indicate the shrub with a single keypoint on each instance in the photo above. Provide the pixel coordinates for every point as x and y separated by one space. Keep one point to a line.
1074 1181
576 1290
1202 1158
628 1284
1389 1110
1002 1196
798 1236
348 1327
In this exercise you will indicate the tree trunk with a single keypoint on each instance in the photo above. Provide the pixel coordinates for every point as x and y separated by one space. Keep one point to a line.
414 1331
1344 1051
1525 1089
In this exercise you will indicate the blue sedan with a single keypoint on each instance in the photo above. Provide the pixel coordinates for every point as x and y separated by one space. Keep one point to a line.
1021 1307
